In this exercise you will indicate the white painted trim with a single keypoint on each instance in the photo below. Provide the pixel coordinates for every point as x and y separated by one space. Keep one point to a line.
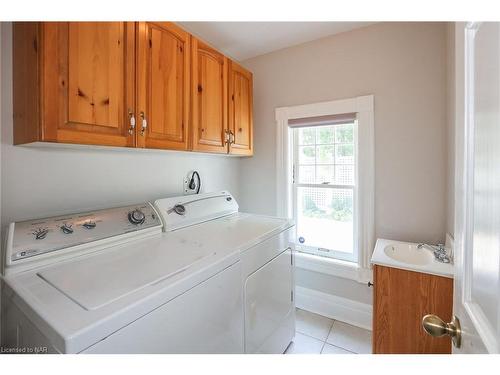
333 267
1 125
334 107
363 106
345 310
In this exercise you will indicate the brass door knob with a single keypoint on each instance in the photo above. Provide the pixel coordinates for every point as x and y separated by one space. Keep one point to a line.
436 327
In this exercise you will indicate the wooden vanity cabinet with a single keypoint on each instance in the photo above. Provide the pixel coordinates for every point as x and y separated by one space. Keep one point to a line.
74 82
240 110
163 76
401 299
209 95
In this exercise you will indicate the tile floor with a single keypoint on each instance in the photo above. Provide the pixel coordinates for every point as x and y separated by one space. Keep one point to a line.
316 334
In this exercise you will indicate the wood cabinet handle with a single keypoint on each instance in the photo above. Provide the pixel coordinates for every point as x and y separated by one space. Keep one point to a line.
229 137
131 122
144 123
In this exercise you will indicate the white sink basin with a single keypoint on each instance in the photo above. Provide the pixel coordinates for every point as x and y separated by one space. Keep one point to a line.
408 253
405 255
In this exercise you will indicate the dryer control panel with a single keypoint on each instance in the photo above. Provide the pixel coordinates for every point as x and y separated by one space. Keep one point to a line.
181 212
32 238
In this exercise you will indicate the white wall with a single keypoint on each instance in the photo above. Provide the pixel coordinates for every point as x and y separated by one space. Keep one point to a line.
42 182
404 66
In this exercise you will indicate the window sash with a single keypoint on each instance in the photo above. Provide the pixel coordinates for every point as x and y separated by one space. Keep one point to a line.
317 251
324 186
327 253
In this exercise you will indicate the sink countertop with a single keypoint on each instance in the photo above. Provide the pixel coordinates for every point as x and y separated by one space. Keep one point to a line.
433 267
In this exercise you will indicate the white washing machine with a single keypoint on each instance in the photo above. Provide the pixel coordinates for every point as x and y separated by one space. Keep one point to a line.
185 275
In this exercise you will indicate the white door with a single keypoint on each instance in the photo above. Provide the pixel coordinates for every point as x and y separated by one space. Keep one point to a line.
477 220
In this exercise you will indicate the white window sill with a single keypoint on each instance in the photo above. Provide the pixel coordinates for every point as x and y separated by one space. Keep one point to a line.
333 267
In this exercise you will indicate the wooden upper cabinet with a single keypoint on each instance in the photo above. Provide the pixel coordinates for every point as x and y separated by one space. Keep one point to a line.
240 110
128 84
87 82
209 98
163 76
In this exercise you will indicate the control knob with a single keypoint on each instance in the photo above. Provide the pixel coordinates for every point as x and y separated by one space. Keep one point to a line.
136 217
67 228
40 233
89 225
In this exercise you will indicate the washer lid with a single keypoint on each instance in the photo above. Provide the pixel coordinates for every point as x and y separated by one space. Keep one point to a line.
98 280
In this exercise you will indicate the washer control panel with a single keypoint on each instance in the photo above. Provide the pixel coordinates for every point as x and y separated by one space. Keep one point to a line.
35 237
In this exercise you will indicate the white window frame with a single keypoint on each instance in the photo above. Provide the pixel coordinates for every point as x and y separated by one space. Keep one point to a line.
363 107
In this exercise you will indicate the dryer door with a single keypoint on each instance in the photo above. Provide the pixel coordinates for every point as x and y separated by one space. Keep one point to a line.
269 306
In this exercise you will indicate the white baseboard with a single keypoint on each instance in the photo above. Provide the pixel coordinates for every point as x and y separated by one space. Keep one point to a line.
334 307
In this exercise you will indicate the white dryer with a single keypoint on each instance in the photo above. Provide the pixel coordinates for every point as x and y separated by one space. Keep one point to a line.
185 275
267 260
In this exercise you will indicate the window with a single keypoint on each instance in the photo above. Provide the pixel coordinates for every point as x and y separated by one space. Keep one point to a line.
325 177
324 189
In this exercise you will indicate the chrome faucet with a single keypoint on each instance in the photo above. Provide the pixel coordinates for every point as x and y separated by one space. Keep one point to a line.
438 250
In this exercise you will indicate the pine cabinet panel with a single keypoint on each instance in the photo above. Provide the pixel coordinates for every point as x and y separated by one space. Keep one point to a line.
96 70
128 84
26 78
164 85
209 93
240 110
401 299
87 82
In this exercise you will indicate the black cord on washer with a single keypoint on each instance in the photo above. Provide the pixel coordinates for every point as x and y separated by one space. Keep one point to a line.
192 184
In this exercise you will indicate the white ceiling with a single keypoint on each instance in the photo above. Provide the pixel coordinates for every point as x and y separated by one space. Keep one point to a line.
243 40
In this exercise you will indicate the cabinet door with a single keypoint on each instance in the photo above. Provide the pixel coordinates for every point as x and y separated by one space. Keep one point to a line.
240 110
401 299
209 95
164 86
88 82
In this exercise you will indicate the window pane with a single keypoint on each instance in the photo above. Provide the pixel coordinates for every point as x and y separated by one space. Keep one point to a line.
344 133
307 136
307 155
306 174
325 135
325 154
344 174
344 154
325 173
325 218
